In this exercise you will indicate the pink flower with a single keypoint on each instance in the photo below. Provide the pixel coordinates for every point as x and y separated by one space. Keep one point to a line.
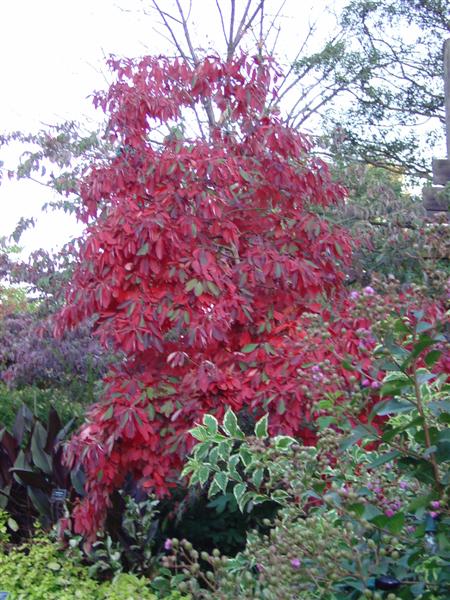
375 385
365 383
296 562
435 504
433 514
354 295
369 291
389 512
168 544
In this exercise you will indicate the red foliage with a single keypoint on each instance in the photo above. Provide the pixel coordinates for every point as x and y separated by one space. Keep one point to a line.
200 261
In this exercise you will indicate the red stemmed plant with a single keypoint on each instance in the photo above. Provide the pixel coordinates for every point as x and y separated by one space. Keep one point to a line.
201 255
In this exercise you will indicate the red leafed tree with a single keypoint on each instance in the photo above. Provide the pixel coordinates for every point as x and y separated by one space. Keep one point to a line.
200 256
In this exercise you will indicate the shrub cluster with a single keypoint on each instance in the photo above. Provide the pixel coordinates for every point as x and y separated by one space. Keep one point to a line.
41 570
363 514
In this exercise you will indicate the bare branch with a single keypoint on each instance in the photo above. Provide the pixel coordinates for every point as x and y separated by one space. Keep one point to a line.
261 29
230 39
170 30
271 26
187 35
244 26
199 123
222 22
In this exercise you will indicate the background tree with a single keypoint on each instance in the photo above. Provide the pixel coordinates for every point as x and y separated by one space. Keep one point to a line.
387 61
372 92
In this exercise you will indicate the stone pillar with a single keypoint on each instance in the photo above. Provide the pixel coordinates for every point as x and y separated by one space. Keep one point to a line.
435 200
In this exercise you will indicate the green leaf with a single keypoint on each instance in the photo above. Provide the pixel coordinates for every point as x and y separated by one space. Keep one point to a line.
383 459
198 290
261 427
213 489
244 500
394 388
190 285
279 496
213 288
232 464
239 491
224 449
213 456
401 327
325 422
203 474
201 450
143 250
281 408
397 376
419 502
259 499
230 425
347 365
151 411
423 326
443 446
221 480
395 523
189 468
357 508
199 433
358 434
249 348
38 441
371 511
283 442
432 357
393 407
245 176
167 408
423 343
12 524
257 477
210 423
246 455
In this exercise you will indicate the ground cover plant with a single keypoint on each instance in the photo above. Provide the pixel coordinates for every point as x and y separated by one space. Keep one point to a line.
41 570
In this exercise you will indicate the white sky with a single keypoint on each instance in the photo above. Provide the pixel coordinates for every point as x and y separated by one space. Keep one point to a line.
52 54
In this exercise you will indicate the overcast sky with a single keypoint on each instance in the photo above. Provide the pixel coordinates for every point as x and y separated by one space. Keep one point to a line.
52 55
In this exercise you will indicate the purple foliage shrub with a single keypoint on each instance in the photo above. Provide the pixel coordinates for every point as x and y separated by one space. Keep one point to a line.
31 355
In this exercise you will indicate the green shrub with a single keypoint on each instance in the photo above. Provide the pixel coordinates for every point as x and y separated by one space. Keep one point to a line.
39 401
42 570
364 514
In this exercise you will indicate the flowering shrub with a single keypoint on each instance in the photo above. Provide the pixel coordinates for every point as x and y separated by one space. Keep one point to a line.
354 523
